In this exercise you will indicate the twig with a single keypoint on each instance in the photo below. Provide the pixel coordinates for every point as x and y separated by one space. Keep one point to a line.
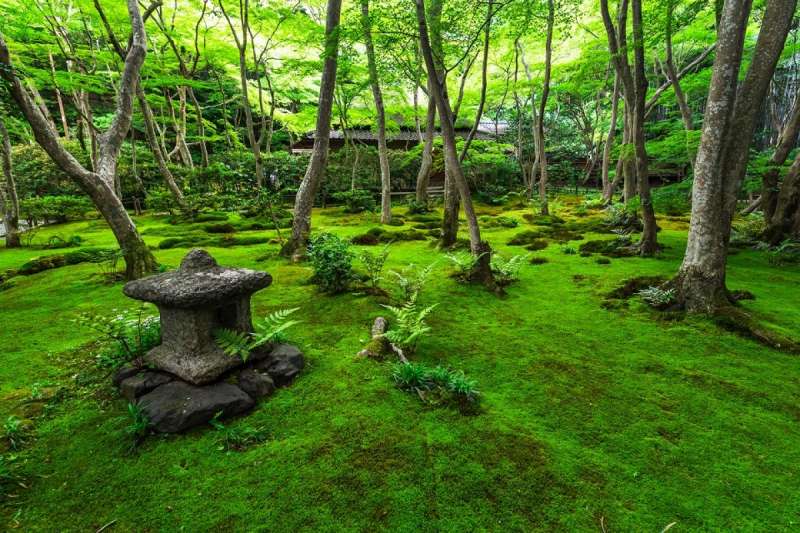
107 526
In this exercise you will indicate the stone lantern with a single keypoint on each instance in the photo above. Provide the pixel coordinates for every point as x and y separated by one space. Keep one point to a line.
193 301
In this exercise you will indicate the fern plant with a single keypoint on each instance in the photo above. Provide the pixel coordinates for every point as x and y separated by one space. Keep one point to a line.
412 279
464 262
507 270
408 325
269 329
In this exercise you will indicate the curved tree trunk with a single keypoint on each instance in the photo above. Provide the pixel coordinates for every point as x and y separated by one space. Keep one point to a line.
295 247
482 271
383 152
786 142
9 202
98 184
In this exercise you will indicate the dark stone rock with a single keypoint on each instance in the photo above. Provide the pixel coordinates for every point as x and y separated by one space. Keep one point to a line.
178 406
283 364
123 373
140 384
257 384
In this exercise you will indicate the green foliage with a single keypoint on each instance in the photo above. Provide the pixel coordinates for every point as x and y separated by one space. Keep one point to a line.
786 253
464 263
408 325
441 384
137 427
507 270
269 329
129 335
411 280
657 296
160 200
238 438
56 209
14 432
373 264
674 199
84 255
356 200
332 262
57 241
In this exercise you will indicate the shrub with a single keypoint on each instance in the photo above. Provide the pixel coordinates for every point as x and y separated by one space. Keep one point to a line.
356 200
786 253
373 264
55 208
57 241
130 335
418 208
85 255
160 201
331 260
411 280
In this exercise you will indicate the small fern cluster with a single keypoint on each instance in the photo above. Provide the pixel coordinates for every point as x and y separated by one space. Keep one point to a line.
412 279
408 324
464 263
657 297
269 329
437 385
507 270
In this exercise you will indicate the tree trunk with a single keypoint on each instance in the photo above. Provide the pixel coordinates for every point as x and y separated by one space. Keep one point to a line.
482 271
201 128
98 184
155 147
785 221
424 174
383 152
548 66
295 247
484 82
59 99
728 128
648 244
9 202
608 189
786 142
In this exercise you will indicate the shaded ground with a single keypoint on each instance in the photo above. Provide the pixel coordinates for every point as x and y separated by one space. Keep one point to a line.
589 414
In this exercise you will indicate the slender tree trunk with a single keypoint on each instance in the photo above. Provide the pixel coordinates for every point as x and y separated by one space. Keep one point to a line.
424 174
484 82
785 221
383 152
295 247
608 189
786 142
201 128
9 202
648 244
626 159
59 99
480 249
548 65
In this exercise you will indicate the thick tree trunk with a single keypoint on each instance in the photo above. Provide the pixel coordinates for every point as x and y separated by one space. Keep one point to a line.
295 247
728 129
383 152
482 272
9 202
450 208
424 174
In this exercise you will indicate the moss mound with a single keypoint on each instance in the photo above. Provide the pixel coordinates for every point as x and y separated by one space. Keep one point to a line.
631 286
610 248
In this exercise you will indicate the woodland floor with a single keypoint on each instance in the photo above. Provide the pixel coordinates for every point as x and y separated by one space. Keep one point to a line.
589 415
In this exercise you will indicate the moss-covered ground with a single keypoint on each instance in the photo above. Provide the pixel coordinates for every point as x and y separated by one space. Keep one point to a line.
592 416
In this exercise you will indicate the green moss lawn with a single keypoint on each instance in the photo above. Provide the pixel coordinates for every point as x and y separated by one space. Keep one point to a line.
590 415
